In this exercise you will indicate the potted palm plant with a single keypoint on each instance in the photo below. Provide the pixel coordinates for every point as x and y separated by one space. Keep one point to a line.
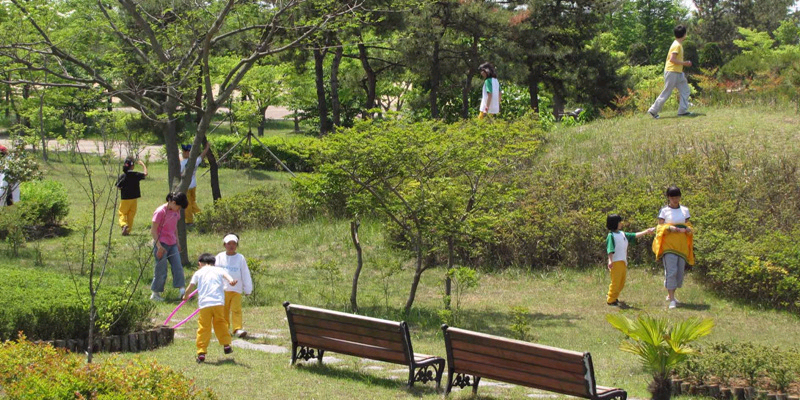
660 345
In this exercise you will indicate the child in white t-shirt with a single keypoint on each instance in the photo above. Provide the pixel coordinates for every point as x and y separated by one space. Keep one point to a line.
617 248
209 280
236 265
675 219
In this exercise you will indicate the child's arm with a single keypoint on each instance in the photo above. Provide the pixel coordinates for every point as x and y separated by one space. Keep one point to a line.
205 150
230 279
645 232
144 167
189 290
247 281
610 255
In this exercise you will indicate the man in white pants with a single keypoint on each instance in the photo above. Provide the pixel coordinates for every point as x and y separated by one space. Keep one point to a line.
674 77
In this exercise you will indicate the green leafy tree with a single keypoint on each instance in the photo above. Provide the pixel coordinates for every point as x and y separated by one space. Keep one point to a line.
660 345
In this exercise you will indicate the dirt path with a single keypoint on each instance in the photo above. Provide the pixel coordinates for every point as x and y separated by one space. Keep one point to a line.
97 147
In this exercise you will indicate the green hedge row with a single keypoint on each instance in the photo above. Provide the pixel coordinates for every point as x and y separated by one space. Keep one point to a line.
295 151
33 371
262 207
48 307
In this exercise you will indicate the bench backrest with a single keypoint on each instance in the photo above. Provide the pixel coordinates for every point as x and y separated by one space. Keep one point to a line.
522 363
355 335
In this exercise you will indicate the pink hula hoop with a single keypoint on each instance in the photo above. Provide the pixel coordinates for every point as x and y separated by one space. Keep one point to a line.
179 307
186 319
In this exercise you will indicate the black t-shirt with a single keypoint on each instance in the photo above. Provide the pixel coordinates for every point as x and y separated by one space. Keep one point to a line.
129 184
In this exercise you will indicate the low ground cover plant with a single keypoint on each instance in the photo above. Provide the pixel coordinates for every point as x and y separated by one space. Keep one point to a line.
39 371
732 364
263 207
295 152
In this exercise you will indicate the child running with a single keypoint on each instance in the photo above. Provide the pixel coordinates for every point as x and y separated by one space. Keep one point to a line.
211 302
128 185
236 265
617 248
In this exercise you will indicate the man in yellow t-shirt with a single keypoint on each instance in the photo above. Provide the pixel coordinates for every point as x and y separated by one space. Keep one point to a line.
674 77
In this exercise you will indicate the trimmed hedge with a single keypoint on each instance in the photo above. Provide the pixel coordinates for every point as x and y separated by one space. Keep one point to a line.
262 207
295 151
48 308
37 371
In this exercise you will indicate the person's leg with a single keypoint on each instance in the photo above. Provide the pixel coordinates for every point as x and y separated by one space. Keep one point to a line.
174 256
204 323
670 80
159 272
670 274
618 273
221 326
679 274
235 311
124 212
132 212
227 310
192 209
683 93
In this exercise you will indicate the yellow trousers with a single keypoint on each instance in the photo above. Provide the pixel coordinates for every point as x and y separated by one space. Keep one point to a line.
212 317
233 310
619 270
127 210
193 208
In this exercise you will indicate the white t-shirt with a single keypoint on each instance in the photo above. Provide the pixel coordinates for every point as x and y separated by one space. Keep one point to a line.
236 266
5 191
210 290
674 215
194 173
491 85
620 247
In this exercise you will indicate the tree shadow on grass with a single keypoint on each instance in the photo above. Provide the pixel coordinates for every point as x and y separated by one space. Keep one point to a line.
491 322
418 390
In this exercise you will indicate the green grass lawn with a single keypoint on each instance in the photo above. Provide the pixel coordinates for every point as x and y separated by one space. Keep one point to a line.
566 307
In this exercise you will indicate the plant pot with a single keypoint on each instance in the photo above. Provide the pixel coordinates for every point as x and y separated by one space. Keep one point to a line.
676 387
685 388
739 393
713 391
726 394
761 394
749 393
781 396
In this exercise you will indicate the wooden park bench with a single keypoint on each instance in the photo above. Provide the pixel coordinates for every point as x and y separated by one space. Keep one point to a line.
521 363
316 330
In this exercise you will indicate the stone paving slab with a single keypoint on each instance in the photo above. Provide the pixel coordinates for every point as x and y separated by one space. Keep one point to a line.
267 348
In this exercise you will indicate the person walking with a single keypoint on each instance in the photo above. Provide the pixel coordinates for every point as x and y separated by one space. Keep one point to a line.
674 77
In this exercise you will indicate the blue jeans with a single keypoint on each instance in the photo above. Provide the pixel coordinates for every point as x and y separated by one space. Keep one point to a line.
173 256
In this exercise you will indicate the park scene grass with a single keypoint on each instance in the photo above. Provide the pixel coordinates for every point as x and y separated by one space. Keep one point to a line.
311 263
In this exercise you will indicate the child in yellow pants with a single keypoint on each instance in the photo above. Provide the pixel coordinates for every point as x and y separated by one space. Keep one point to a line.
236 265
211 301
128 185
617 248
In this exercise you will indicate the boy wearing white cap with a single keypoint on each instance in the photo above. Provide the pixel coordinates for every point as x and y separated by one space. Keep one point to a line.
236 265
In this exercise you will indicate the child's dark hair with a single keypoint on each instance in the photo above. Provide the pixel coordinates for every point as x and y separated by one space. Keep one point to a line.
128 164
679 31
207 259
179 198
489 69
673 191
612 222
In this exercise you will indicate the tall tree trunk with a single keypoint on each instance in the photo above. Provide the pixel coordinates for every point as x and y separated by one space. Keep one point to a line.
26 93
354 225
472 67
533 86
417 275
213 170
371 79
448 282
42 133
336 107
322 105
558 99
262 124
433 96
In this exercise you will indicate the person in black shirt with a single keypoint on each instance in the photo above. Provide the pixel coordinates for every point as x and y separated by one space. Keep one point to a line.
128 184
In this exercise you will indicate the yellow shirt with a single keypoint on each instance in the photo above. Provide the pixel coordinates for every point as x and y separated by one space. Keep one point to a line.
676 47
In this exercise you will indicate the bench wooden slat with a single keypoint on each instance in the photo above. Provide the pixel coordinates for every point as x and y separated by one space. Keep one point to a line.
490 362
394 345
396 336
515 345
522 378
352 348
368 322
519 356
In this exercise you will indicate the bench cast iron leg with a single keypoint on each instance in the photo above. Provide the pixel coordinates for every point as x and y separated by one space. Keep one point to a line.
475 385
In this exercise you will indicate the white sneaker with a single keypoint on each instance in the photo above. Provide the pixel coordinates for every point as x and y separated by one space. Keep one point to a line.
673 304
156 297
182 291
240 333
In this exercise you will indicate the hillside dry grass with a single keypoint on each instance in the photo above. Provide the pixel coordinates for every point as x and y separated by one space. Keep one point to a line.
311 263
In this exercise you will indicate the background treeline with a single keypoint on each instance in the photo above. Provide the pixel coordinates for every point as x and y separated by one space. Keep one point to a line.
416 57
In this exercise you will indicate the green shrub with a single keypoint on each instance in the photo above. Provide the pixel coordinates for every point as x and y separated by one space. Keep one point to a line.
45 202
296 152
262 207
32 371
30 306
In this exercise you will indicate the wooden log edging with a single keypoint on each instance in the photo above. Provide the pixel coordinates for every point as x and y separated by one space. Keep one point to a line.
679 387
127 343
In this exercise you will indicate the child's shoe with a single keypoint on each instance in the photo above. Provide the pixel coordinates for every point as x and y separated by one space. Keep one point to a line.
201 358
156 297
182 291
240 333
673 304
614 303
227 349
